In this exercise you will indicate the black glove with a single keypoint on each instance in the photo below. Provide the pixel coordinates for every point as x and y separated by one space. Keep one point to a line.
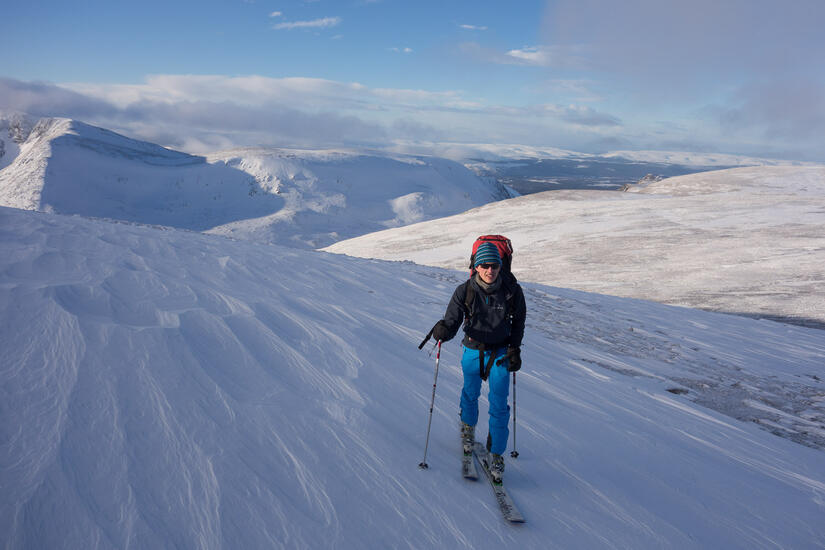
441 332
513 359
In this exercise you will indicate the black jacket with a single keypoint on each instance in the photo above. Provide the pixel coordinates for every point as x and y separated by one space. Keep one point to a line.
492 320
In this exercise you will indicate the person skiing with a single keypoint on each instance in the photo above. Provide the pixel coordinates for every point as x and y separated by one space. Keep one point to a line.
492 308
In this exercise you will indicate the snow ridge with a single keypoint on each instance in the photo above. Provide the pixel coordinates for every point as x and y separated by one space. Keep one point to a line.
303 198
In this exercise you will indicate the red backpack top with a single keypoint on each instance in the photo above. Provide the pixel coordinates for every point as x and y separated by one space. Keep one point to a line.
505 250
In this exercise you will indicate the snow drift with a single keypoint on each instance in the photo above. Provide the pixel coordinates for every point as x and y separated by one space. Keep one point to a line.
167 389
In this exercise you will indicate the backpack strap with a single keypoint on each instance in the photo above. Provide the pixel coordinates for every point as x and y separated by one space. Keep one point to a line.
468 298
485 369
510 303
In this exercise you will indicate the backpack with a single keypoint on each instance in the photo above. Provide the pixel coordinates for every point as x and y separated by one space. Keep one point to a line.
505 250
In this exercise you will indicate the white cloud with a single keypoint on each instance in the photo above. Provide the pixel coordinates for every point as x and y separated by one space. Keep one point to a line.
473 27
401 50
542 56
533 56
413 97
322 23
182 109
276 14
530 56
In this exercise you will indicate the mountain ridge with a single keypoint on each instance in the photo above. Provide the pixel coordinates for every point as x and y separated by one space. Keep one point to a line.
302 198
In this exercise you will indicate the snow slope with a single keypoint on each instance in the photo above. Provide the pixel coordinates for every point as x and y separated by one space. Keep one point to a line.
703 160
744 240
330 195
168 389
304 198
488 152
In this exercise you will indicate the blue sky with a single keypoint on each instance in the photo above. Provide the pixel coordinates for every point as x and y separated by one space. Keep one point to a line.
736 76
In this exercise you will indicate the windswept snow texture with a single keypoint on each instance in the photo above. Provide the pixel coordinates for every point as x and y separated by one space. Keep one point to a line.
167 389
303 198
746 240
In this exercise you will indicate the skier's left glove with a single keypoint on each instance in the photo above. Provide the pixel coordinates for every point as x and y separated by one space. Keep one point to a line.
441 332
513 358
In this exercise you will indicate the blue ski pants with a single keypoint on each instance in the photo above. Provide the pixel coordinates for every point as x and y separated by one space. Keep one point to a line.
499 392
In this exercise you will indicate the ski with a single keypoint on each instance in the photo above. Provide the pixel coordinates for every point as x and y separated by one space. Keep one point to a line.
468 466
505 503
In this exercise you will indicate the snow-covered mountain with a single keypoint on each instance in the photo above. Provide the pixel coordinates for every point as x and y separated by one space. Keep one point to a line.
168 389
529 169
745 240
488 152
330 195
304 198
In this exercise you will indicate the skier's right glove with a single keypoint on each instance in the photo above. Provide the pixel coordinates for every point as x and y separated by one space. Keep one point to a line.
513 358
441 332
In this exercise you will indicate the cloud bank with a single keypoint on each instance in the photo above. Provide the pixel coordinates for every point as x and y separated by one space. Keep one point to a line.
746 71
203 113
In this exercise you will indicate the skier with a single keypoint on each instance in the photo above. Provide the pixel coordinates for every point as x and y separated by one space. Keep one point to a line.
492 307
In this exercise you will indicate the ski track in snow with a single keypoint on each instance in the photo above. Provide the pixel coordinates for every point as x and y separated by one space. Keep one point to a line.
164 389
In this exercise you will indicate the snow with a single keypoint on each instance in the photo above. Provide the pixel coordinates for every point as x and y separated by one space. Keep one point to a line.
485 151
163 388
480 152
685 158
330 195
305 198
14 127
744 240
181 388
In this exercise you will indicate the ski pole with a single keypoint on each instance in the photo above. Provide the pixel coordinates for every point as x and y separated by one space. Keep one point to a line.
423 465
514 453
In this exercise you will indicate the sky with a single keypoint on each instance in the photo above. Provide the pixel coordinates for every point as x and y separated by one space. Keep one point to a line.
739 76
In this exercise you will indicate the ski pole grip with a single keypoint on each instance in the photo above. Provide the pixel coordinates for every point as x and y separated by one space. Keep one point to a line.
427 338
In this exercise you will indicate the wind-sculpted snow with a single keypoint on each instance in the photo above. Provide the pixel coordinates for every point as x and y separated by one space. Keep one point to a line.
167 389
746 240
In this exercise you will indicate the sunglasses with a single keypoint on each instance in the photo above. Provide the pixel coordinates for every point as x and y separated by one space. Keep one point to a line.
489 266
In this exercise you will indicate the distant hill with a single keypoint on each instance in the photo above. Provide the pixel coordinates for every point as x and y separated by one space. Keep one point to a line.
535 169
743 240
305 198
